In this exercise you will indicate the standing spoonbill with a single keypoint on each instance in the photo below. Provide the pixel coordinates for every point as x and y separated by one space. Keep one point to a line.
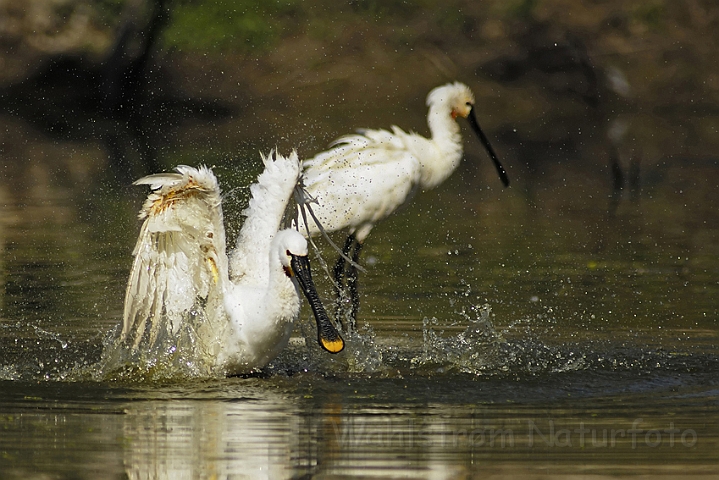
363 178
238 311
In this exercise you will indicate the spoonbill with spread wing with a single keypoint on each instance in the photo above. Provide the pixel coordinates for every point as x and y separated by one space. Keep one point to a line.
239 311
363 178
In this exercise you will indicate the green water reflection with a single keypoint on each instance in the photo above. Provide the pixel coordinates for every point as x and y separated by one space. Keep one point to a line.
287 428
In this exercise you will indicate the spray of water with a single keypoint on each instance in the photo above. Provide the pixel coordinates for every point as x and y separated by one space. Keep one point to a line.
468 344
474 350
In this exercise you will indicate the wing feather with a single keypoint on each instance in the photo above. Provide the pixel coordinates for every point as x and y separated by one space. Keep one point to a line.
180 262
363 178
352 151
269 198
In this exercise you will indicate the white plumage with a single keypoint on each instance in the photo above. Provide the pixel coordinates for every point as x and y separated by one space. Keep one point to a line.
363 178
186 297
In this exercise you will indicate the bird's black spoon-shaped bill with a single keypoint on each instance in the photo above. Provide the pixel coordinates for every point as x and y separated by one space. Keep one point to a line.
327 335
483 138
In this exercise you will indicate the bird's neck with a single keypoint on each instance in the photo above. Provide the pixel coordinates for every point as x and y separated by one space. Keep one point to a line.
439 161
252 248
283 296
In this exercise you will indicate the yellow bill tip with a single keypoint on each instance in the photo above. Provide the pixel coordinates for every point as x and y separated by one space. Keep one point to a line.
333 346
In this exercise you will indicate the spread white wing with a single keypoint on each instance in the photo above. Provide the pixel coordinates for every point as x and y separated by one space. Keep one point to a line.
180 263
268 201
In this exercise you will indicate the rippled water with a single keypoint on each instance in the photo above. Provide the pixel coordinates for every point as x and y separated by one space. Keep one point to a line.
548 329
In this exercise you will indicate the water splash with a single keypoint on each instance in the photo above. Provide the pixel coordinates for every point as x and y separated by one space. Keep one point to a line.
30 352
42 333
468 344
171 356
474 350
361 355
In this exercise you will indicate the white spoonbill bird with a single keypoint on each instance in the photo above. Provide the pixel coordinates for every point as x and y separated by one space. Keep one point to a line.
363 178
239 311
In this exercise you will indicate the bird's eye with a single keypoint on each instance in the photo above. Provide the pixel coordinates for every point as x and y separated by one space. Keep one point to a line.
288 253
469 104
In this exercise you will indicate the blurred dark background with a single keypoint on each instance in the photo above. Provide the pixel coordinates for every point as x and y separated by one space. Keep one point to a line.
625 86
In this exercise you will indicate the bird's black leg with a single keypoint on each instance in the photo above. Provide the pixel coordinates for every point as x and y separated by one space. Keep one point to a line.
339 272
352 286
